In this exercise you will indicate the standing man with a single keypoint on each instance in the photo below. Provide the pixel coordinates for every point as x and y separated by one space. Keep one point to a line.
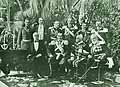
24 36
86 35
53 31
70 31
41 29
84 31
101 30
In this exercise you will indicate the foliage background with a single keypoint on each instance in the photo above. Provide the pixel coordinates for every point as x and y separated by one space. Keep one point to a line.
105 10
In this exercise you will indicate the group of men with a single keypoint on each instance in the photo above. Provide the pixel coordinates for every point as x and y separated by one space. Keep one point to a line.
66 50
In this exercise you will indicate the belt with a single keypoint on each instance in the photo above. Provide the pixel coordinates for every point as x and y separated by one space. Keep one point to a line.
100 54
26 40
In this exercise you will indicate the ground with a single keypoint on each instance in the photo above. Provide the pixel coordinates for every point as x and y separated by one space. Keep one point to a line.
20 79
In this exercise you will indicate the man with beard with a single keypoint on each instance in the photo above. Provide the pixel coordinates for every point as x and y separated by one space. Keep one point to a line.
53 31
80 53
98 55
37 57
58 53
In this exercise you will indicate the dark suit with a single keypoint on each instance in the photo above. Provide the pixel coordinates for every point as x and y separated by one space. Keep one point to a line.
36 26
39 64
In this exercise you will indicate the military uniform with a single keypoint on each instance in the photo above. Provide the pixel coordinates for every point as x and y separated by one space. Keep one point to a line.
53 33
69 33
98 61
59 50
98 53
96 49
80 58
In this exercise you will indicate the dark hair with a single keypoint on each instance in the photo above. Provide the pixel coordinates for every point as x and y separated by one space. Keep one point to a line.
26 18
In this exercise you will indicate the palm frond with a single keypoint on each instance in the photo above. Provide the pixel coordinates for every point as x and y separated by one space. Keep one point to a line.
51 6
3 3
34 6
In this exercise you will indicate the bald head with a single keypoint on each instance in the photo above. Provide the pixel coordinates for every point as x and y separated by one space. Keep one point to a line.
94 38
79 37
35 36
40 21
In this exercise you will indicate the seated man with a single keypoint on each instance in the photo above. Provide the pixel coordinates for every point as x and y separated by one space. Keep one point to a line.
37 57
58 55
80 56
98 54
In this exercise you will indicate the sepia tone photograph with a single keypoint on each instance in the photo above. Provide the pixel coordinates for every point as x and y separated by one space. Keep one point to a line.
59 43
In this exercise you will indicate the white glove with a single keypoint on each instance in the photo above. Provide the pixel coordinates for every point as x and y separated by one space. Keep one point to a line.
28 56
110 62
50 55
39 55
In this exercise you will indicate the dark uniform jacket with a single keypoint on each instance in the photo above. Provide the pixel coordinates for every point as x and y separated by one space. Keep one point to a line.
52 33
54 50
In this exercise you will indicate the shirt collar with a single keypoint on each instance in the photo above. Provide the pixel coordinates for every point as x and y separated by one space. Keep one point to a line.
36 41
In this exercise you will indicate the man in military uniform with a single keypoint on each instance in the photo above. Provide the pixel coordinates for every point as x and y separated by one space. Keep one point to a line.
98 55
53 31
70 31
101 30
86 35
80 56
58 55
84 30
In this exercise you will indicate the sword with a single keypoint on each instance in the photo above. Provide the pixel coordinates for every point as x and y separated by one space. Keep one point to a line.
50 67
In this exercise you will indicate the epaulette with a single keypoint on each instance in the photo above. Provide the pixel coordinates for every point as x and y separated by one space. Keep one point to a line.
64 27
50 28
52 42
60 28
81 42
66 42
75 27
